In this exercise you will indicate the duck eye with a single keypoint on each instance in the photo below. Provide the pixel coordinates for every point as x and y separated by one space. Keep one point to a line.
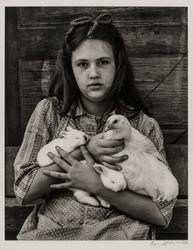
115 121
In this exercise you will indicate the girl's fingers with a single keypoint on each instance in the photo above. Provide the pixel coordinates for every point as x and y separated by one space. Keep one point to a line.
115 167
113 160
112 151
67 157
57 175
61 163
87 156
61 185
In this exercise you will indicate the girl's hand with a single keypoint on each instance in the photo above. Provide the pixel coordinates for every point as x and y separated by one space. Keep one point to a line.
103 150
76 174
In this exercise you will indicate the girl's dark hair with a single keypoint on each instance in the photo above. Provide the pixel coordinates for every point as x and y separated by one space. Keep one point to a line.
64 86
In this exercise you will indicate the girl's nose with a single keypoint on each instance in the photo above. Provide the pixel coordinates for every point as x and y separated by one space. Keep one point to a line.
94 71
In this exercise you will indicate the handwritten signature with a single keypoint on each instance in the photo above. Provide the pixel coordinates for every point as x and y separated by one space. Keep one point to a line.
167 242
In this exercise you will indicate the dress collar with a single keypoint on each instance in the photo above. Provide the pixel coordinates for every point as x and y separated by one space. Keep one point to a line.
77 110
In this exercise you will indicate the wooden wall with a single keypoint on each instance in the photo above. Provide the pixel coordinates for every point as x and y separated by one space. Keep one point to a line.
156 38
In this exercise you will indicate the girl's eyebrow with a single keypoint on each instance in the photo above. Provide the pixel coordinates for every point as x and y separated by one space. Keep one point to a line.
81 60
98 59
105 58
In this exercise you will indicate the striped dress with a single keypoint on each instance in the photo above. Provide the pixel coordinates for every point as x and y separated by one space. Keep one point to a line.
60 216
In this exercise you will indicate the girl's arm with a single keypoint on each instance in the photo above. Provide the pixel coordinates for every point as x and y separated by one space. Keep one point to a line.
38 132
133 204
83 176
40 186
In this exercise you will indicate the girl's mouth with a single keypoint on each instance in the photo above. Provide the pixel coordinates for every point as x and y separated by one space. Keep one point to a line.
97 84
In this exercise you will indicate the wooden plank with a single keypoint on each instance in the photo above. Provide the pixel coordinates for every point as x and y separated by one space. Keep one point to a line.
16 214
55 16
145 30
175 135
33 76
168 103
14 219
10 154
12 122
139 40
176 155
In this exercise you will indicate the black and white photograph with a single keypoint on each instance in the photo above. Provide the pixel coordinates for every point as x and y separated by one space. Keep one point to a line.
96 123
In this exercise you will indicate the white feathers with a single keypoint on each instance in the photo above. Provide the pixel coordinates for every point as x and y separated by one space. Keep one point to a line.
144 171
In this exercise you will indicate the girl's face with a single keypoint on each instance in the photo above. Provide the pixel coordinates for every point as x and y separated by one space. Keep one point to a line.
94 69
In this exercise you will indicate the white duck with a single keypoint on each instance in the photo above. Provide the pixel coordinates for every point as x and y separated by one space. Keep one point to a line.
144 171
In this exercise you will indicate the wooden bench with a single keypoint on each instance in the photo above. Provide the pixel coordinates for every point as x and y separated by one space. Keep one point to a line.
178 228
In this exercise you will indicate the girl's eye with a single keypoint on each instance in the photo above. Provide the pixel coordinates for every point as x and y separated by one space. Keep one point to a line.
103 62
83 65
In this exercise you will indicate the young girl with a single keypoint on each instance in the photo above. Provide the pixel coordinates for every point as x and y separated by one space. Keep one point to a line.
93 81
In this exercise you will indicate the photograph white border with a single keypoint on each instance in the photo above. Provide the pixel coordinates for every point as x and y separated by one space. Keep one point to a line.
170 244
